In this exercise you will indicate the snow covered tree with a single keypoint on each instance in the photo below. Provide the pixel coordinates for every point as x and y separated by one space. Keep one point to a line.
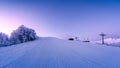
14 38
4 41
22 34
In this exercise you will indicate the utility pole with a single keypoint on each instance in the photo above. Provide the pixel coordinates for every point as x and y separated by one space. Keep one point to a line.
102 35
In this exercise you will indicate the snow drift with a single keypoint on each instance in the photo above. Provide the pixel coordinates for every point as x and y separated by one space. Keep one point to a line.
56 53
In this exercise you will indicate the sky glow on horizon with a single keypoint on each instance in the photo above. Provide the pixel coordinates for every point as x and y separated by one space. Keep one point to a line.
85 19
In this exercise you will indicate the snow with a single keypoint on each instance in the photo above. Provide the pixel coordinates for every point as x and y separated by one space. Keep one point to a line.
109 41
57 53
112 40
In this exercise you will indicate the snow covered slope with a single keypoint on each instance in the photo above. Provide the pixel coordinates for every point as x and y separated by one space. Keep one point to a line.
56 53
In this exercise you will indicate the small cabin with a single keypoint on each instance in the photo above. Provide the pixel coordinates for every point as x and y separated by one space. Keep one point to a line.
71 39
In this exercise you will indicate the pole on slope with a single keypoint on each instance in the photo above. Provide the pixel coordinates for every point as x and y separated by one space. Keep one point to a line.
102 36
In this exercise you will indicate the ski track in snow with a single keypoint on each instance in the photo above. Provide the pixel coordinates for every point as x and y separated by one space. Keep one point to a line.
56 53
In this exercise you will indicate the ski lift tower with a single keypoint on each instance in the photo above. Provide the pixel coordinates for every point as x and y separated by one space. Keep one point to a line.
102 35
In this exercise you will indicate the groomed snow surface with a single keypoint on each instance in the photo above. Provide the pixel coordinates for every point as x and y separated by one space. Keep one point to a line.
56 53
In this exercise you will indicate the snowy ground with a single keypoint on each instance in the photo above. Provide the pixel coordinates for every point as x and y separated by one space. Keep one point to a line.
56 53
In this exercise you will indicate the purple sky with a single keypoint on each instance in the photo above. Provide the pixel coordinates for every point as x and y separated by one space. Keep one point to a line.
58 18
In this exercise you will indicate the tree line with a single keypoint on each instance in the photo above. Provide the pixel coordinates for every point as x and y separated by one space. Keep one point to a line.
20 35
